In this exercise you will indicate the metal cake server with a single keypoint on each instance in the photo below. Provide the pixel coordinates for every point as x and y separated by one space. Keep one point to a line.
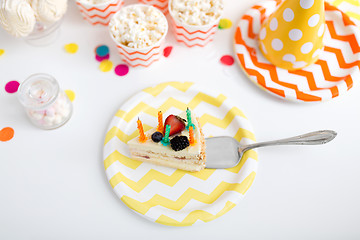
226 152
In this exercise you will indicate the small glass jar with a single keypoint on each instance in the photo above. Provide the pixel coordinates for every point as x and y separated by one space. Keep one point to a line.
44 34
46 105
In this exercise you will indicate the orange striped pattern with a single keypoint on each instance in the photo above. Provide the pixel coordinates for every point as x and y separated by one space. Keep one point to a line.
100 13
141 57
193 36
331 76
160 4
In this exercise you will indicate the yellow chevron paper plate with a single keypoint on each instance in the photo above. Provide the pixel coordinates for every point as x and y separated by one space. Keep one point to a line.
169 196
336 71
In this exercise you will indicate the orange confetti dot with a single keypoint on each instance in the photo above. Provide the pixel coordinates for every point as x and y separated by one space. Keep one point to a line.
71 48
6 134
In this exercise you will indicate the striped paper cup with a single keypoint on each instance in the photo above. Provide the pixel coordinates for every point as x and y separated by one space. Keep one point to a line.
99 13
160 4
192 35
143 57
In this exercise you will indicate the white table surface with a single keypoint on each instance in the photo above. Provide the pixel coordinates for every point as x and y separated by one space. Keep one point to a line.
53 184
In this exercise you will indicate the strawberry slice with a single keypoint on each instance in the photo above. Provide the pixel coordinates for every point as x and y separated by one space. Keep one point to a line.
177 124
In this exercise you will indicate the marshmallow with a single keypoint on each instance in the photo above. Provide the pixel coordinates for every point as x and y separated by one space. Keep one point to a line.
55 114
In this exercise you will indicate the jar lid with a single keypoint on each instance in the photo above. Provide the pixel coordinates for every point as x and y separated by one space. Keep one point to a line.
38 91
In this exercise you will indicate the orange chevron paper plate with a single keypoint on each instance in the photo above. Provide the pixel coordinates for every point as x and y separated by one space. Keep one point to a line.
170 196
350 7
332 75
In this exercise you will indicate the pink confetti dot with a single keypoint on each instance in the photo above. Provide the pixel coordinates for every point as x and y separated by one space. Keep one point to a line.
99 59
167 51
121 69
12 86
227 60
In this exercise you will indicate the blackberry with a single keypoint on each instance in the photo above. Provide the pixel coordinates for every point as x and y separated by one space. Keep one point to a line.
157 136
179 143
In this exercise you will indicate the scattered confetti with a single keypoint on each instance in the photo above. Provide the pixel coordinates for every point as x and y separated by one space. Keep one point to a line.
2 51
12 86
6 134
121 69
102 50
70 94
227 60
99 59
106 65
71 48
225 23
167 51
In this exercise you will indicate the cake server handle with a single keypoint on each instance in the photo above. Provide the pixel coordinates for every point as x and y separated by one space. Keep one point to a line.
312 138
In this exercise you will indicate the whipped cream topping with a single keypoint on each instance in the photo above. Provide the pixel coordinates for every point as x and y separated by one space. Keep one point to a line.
197 12
48 11
94 2
138 26
17 17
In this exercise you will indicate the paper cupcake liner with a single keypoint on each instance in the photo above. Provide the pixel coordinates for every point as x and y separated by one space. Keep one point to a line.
160 4
99 13
140 57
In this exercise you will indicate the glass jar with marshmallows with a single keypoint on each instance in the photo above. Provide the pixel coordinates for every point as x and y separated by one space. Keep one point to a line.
46 105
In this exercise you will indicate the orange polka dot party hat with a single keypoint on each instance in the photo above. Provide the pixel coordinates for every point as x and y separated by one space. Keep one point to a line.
292 37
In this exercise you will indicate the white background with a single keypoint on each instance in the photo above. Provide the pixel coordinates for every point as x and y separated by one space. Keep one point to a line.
53 184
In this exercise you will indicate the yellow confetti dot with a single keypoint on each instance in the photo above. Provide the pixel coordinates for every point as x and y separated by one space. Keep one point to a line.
71 48
106 65
70 94
225 23
2 51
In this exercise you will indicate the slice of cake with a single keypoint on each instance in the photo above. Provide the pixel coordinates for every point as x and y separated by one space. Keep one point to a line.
177 143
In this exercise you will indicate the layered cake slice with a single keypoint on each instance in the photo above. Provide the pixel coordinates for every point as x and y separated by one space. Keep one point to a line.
177 143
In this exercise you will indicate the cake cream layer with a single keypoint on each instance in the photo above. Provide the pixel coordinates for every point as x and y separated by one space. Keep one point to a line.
145 154
184 164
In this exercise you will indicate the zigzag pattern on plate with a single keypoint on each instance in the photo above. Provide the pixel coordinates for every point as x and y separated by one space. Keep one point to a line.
97 15
334 74
194 38
350 7
170 196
